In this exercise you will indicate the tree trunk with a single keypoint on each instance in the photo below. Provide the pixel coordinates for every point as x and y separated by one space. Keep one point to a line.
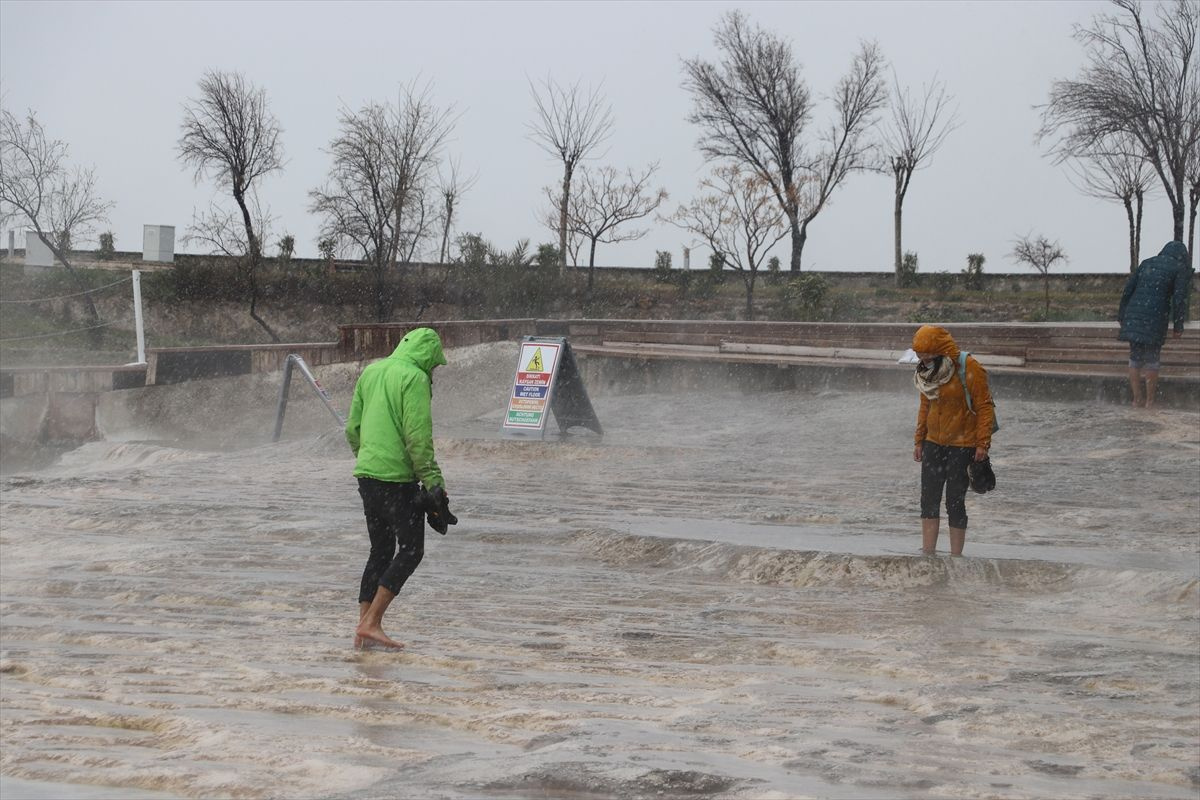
96 334
1177 214
562 220
591 266
254 313
379 269
253 257
1193 198
799 237
1137 247
897 214
1046 289
396 231
797 240
750 297
1127 201
445 242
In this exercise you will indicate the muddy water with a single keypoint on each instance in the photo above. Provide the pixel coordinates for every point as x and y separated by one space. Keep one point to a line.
719 599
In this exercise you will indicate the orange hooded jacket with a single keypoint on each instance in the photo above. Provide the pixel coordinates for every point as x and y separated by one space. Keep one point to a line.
946 420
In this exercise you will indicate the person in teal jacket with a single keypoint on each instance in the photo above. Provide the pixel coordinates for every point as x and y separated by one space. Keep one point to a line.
1155 294
390 430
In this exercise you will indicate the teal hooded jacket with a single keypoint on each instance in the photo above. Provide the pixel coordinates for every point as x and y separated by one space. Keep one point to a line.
1155 296
390 428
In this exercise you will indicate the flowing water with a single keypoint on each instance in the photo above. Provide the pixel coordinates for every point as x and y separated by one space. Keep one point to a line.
722 598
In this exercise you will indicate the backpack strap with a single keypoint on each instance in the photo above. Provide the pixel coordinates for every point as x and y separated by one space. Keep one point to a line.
962 376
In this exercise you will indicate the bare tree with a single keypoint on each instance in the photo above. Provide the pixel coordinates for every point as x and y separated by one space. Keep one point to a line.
754 108
230 134
1193 180
551 218
58 201
1041 254
605 201
570 123
221 231
1115 171
917 129
451 187
738 218
1142 80
376 197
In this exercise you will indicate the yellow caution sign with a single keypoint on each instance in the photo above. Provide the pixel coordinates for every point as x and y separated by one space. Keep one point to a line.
535 363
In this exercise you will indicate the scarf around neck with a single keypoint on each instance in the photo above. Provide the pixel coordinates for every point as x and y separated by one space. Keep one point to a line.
929 379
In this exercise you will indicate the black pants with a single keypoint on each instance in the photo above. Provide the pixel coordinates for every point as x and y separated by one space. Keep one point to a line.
945 466
397 530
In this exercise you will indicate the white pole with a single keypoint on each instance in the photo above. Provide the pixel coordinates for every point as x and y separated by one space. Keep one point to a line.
137 316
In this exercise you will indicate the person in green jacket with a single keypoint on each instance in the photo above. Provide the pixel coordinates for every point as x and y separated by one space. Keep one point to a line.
390 430
1155 296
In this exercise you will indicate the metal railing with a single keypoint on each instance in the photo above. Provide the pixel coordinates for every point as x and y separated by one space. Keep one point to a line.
295 360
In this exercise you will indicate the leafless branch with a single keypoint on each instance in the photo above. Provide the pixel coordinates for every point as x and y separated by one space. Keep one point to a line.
1141 80
230 135
737 217
377 196
1116 170
916 131
451 187
569 123
1041 254
753 107
605 201
38 187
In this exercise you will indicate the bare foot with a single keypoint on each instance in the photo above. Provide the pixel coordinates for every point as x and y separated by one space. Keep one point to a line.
377 635
365 645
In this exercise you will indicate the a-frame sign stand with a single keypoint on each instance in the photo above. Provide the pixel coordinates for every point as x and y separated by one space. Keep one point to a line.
547 380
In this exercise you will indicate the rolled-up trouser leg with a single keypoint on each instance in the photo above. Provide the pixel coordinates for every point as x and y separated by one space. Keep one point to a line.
945 467
957 483
397 531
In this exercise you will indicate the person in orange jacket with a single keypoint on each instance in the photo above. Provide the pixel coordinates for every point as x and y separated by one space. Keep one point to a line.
949 435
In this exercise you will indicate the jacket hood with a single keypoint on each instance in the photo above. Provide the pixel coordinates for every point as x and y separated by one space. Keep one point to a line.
932 339
1176 250
423 347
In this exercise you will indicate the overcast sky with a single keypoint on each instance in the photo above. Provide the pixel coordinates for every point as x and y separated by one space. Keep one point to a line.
111 78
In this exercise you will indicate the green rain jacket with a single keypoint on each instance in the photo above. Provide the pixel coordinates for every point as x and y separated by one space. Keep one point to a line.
390 428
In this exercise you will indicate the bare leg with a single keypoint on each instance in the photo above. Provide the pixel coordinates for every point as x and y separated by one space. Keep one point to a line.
958 537
362 612
1151 387
1135 386
371 626
929 536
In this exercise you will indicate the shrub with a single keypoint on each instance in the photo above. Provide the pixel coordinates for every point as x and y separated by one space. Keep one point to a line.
287 247
662 266
774 271
547 255
716 268
108 249
683 279
804 297
472 249
327 247
908 271
705 286
973 274
943 282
